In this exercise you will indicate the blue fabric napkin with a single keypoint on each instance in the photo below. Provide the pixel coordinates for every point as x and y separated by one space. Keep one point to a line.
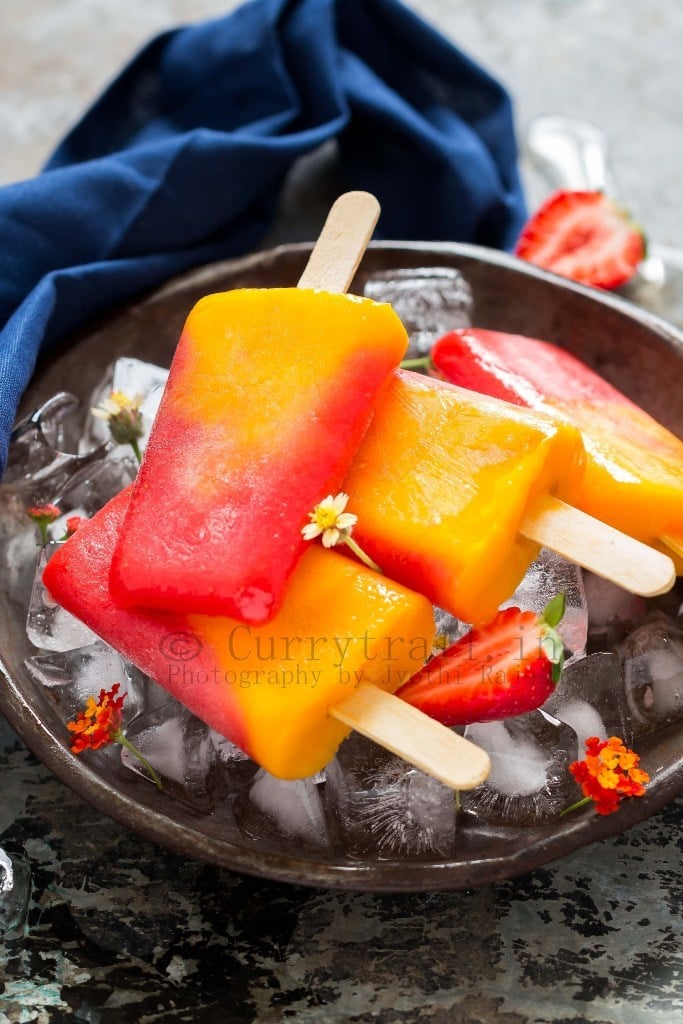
182 160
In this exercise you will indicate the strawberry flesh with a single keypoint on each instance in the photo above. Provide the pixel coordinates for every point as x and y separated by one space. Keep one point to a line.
495 671
584 236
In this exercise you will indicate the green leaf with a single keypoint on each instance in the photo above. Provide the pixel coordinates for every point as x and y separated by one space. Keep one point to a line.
556 673
552 645
554 611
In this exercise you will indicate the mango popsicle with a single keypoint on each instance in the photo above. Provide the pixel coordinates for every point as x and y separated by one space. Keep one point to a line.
267 688
633 475
441 485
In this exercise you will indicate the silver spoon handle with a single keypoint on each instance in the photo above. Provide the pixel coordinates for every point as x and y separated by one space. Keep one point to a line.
571 154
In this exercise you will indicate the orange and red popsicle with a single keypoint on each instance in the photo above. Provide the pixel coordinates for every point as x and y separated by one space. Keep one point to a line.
442 482
269 395
267 688
633 476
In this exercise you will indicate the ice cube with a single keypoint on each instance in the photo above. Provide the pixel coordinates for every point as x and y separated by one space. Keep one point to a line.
97 482
653 671
149 409
279 809
429 300
612 612
48 625
44 444
179 748
529 781
381 807
591 698
15 893
18 565
6 872
546 577
135 379
238 768
68 678
448 626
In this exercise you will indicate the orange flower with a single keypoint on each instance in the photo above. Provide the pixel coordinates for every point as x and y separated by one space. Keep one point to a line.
100 723
608 773
74 523
42 516
47 511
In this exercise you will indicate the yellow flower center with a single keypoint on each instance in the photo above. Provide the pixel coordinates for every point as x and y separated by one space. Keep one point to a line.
123 401
325 518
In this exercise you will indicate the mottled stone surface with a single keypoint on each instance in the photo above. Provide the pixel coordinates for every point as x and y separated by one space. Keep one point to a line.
122 931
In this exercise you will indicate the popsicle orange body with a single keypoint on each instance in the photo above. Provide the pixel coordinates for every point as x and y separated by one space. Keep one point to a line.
270 393
441 484
267 688
633 476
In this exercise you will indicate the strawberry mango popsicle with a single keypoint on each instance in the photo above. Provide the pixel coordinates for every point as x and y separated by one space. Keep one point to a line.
441 485
633 476
269 395
267 688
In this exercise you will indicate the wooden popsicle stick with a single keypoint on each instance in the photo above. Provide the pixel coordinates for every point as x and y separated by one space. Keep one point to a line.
675 543
390 722
342 242
418 739
598 547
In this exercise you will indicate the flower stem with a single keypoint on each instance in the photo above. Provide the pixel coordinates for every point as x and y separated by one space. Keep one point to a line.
359 553
423 363
43 535
119 737
574 807
136 448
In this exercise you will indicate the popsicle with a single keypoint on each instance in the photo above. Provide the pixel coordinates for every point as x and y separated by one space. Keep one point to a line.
286 692
633 476
455 493
269 395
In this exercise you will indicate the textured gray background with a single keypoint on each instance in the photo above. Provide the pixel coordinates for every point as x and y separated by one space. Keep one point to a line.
615 62
123 931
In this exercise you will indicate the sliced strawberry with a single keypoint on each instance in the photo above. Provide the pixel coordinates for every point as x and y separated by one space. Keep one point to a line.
584 236
505 668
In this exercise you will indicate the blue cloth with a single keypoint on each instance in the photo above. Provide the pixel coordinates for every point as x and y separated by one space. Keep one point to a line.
182 159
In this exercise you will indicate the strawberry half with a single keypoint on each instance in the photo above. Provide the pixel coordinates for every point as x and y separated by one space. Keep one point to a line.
584 236
505 668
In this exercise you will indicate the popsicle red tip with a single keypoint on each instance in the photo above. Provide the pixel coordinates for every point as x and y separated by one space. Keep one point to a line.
507 667
584 236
